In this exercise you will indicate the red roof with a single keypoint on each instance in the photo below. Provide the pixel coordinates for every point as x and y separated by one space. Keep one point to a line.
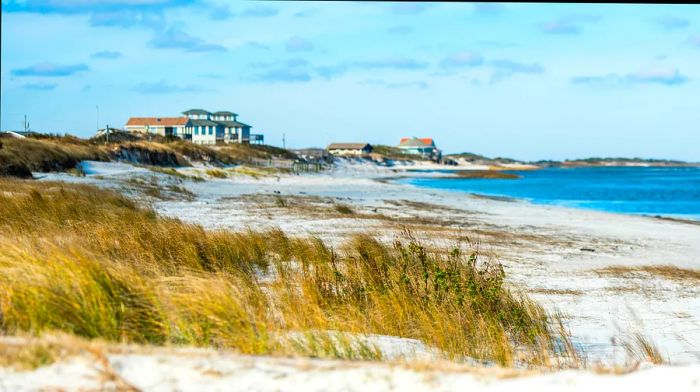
162 121
426 140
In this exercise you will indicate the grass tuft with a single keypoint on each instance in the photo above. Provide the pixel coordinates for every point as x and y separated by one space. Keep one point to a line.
343 209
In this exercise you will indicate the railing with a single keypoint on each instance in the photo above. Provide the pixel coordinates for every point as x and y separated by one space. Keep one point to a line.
257 138
294 166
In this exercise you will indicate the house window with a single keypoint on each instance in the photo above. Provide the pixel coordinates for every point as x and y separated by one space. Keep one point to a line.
211 130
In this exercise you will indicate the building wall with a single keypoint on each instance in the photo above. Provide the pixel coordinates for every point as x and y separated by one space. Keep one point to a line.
204 134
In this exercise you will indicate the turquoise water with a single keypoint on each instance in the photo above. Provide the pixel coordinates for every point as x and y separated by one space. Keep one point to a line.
668 191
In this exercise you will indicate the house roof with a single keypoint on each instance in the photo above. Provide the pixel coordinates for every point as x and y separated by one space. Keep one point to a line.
159 121
224 113
195 111
347 146
416 142
233 124
203 123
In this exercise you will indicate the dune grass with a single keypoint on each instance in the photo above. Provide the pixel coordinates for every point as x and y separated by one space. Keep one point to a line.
640 349
45 153
663 271
92 263
31 155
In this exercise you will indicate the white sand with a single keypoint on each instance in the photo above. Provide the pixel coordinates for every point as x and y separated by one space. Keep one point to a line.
203 370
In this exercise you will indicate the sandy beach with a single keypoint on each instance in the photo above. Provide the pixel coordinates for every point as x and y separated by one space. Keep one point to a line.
561 257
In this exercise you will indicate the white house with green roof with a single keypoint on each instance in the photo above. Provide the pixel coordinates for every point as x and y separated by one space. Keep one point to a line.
211 127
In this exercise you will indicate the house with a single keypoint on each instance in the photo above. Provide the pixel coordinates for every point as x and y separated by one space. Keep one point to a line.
163 126
342 149
222 126
424 147
198 126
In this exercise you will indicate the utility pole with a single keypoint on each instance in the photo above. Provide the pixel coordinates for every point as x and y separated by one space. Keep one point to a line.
25 123
284 144
107 133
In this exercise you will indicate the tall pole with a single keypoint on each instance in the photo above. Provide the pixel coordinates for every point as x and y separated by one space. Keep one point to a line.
97 111
284 143
25 123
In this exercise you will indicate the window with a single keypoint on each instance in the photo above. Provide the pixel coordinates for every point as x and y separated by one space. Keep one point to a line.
211 130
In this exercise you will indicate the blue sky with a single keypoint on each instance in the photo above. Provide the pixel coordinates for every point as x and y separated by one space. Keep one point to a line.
528 81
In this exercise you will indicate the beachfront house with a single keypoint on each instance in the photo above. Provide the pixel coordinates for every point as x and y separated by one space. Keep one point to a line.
424 147
349 149
163 126
198 126
222 126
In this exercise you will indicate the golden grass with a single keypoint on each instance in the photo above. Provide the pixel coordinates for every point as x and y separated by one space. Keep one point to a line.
216 173
663 271
344 209
92 263
46 155
639 348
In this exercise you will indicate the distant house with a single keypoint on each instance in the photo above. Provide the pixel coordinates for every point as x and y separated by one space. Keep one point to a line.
163 126
424 147
198 126
342 149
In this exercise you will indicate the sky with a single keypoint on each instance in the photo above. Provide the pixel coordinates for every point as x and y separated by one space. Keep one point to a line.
525 81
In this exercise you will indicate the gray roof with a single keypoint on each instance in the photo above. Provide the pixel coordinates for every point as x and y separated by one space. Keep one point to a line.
348 146
203 123
233 124
224 113
195 111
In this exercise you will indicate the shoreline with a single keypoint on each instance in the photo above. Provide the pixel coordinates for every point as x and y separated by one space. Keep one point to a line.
682 218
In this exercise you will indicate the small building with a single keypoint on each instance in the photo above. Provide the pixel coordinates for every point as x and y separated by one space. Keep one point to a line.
349 149
163 126
424 147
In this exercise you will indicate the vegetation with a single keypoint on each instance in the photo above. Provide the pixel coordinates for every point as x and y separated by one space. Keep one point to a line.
20 157
44 152
664 271
639 349
343 209
476 158
485 174
143 278
395 153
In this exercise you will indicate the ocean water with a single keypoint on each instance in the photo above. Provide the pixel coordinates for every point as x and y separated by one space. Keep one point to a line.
665 191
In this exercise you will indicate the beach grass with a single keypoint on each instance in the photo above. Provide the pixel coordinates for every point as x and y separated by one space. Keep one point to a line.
46 153
670 272
93 263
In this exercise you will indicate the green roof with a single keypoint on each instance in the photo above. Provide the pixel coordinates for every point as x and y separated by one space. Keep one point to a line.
224 113
203 123
233 124
195 111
